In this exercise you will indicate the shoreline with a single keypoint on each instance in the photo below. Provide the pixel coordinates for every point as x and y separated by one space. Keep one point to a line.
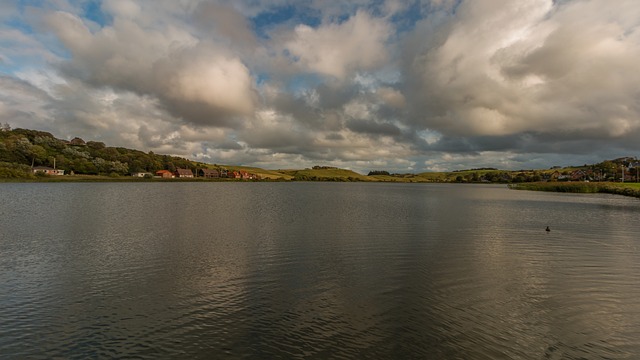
625 189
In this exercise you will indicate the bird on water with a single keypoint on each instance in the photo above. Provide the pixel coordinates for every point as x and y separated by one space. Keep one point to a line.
547 229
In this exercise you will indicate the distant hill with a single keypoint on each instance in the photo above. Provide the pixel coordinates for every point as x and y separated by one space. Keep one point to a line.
324 173
20 149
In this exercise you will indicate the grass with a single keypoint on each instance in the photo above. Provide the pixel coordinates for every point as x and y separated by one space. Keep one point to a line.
626 189
264 174
627 185
325 174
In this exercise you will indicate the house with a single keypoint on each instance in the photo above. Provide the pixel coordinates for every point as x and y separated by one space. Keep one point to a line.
165 174
209 173
248 176
234 175
141 174
578 175
47 170
244 175
224 173
184 173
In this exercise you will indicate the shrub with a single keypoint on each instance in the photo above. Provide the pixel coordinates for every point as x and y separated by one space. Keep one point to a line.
15 171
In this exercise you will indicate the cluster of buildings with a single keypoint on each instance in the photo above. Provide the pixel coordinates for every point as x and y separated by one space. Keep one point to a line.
166 174
47 170
629 173
203 173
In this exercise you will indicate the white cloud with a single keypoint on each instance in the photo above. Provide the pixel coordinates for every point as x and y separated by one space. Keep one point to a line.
196 81
337 49
121 8
391 97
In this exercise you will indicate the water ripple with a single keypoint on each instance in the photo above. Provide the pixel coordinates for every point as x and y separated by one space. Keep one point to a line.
317 271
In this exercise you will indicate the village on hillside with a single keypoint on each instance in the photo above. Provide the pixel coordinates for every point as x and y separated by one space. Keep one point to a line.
627 173
166 174
203 173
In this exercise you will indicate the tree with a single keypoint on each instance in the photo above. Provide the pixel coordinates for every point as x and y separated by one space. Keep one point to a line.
5 127
38 154
77 142
23 147
96 145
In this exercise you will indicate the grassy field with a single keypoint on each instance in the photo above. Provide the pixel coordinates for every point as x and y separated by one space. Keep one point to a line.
324 175
626 189
264 174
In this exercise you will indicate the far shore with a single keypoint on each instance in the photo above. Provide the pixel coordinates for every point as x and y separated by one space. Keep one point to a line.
104 178
617 188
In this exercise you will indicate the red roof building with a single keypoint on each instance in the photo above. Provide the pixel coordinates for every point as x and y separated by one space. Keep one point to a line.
166 174
184 173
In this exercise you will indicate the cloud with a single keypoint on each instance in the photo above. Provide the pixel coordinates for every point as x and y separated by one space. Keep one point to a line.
391 97
122 8
374 128
337 49
23 104
196 81
226 22
405 86
500 69
204 87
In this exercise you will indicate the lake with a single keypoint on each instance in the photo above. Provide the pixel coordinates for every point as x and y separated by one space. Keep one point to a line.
316 270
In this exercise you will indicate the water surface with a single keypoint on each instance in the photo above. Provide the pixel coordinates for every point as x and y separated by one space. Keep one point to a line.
316 270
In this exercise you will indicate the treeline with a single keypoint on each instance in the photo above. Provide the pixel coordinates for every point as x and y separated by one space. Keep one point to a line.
21 148
476 169
496 176
378 172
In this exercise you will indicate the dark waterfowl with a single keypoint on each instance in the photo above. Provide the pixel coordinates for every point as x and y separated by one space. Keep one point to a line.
547 229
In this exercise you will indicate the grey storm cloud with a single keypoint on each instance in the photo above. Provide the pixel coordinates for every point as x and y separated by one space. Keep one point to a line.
374 128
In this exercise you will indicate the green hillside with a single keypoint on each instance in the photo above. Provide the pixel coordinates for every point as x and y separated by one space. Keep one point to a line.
264 174
22 149
323 173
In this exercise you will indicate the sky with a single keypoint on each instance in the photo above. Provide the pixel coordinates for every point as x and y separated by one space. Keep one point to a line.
402 86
